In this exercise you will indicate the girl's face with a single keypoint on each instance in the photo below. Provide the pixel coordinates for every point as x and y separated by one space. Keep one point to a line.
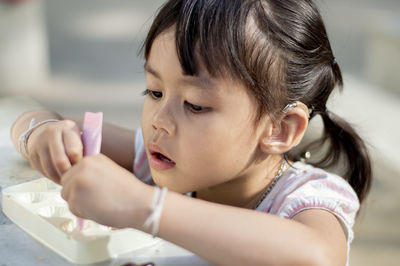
198 131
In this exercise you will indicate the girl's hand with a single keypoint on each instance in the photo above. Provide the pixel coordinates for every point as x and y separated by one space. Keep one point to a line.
98 189
54 148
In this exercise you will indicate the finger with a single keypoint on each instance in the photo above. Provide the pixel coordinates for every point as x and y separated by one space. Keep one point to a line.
75 211
34 161
48 169
73 145
68 194
65 191
58 156
68 177
36 164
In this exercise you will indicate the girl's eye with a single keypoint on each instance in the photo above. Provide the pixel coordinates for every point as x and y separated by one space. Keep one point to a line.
153 94
192 107
196 108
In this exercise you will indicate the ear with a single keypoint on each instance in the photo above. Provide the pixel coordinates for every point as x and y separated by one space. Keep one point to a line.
288 133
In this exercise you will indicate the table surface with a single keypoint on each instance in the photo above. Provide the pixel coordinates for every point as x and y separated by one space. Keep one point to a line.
19 248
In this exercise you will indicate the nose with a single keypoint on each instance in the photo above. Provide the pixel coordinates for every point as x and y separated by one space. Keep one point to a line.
164 120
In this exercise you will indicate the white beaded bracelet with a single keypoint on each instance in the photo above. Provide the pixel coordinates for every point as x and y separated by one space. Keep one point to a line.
23 139
157 205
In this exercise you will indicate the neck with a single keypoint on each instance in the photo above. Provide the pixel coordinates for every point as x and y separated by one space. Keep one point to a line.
245 190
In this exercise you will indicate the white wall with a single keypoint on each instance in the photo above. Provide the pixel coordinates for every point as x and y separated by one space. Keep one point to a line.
23 47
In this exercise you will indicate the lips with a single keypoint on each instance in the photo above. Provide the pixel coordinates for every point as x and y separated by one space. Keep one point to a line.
159 160
162 157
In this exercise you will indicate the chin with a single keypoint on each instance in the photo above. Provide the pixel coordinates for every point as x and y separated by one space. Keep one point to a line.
162 181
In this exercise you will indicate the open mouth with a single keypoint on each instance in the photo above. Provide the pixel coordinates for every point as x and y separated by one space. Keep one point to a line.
158 160
162 157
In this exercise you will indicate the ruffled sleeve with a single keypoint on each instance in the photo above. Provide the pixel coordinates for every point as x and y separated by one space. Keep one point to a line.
306 187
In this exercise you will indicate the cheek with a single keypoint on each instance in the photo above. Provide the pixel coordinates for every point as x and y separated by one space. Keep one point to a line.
219 151
146 123
146 115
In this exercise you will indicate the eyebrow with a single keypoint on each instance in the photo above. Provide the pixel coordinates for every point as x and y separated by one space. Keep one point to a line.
196 81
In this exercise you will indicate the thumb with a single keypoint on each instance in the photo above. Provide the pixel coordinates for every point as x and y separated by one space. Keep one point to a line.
73 144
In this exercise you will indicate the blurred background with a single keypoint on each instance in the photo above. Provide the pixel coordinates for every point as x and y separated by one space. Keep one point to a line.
81 55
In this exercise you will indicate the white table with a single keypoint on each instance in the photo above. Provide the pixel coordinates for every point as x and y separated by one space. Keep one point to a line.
17 247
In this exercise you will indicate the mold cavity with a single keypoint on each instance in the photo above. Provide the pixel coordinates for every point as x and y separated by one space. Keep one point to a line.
54 211
96 230
32 197
68 226
45 185
91 229
59 199
51 185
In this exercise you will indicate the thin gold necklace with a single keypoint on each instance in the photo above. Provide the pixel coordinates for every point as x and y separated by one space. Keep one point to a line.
273 183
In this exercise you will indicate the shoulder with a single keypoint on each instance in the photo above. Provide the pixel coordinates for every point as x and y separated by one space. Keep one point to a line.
305 187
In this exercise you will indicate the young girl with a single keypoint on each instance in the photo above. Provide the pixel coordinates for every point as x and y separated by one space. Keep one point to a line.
231 87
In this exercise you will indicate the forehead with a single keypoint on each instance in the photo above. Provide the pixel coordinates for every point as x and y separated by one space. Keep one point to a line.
163 63
164 52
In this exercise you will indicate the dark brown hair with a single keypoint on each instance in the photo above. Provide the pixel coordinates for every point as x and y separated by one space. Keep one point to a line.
280 50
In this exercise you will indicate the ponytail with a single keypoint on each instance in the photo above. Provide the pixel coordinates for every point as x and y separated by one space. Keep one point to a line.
343 140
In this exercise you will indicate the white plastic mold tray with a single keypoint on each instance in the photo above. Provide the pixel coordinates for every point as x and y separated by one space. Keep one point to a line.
37 207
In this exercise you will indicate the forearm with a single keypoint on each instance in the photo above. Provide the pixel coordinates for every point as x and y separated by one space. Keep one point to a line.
231 236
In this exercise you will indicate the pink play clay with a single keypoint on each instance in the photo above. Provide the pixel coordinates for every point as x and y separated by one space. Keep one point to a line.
91 139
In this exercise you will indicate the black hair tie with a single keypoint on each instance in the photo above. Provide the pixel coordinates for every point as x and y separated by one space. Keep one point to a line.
315 112
334 62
